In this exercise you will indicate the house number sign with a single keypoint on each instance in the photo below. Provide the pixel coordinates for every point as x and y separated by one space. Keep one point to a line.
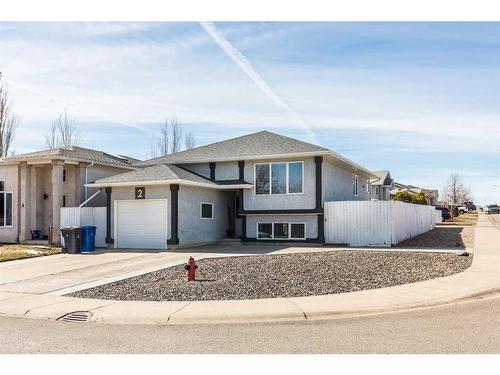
140 193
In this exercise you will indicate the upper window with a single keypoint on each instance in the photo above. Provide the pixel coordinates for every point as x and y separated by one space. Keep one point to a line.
279 178
64 175
355 184
5 209
207 211
368 186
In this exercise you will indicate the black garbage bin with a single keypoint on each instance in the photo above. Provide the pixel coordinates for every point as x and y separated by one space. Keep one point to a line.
72 240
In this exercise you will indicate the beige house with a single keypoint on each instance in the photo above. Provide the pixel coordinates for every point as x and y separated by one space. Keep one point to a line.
34 186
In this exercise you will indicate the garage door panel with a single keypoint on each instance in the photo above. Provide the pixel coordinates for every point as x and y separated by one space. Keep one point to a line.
141 224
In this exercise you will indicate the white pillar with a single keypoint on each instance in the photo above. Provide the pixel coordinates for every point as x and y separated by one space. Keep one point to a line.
25 209
57 198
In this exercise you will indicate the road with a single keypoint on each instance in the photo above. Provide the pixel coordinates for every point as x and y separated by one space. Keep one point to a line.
467 327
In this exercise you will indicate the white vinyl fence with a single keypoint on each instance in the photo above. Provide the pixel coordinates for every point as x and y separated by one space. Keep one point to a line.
81 216
376 223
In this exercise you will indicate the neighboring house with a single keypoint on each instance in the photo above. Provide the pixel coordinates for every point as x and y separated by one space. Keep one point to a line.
380 188
258 187
431 196
35 185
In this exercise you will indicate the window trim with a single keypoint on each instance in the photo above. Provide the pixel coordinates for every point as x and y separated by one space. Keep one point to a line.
272 230
5 208
201 211
355 185
287 176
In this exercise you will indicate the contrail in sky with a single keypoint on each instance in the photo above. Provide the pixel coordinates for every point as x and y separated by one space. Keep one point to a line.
247 67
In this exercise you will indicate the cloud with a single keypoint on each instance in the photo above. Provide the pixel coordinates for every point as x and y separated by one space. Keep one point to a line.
247 67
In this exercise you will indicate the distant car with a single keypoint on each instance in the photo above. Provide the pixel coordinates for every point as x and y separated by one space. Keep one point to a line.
462 209
445 212
492 209
470 206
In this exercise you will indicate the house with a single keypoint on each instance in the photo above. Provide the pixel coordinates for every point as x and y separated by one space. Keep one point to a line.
380 187
34 186
431 196
258 187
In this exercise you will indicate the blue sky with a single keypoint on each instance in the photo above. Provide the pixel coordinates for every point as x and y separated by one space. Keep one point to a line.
419 99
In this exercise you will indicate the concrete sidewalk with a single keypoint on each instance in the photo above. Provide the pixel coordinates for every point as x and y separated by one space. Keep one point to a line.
482 277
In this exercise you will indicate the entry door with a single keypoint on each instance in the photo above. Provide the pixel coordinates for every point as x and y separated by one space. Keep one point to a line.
141 224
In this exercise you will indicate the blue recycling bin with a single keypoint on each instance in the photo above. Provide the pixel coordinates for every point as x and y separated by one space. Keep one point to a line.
88 238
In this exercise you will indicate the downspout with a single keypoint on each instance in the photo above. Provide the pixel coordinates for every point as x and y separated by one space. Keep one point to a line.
86 179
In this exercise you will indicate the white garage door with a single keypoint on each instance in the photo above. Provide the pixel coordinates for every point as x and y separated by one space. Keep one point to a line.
141 224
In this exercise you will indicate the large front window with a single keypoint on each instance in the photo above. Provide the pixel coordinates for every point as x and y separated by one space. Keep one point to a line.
281 231
279 178
5 209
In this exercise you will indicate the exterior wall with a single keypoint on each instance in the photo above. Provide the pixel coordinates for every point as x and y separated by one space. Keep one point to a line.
9 174
383 193
337 184
223 170
306 200
193 229
128 193
69 188
94 173
310 220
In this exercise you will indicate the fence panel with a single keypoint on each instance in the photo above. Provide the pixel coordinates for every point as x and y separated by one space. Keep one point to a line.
375 223
81 216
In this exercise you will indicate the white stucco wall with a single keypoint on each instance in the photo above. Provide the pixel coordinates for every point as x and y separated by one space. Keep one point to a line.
337 184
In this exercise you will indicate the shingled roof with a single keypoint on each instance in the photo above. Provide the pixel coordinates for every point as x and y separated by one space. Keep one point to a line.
259 144
74 153
384 178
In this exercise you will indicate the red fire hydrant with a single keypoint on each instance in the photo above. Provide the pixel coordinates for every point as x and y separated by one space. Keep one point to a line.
191 269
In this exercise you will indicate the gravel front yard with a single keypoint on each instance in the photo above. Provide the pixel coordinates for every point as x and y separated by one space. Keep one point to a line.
443 237
287 275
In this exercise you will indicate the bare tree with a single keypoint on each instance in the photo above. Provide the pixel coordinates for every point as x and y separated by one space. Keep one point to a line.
63 132
455 192
176 135
163 144
8 121
189 141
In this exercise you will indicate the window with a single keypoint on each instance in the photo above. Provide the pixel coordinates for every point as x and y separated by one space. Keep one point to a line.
279 178
64 175
355 185
281 231
264 230
368 186
64 201
5 209
207 211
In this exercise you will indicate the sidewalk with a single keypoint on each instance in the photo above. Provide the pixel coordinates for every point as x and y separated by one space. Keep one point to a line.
482 277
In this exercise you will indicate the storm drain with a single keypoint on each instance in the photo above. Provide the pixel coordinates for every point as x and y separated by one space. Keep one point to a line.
76 316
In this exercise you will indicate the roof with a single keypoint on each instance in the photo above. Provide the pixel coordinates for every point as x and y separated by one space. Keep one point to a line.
384 178
74 153
253 145
163 174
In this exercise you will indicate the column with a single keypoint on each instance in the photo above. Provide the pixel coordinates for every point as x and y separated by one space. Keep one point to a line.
57 199
109 238
25 201
174 214
34 198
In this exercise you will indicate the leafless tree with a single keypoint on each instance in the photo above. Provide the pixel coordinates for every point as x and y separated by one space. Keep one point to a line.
189 141
455 192
8 121
153 150
63 132
176 135
163 144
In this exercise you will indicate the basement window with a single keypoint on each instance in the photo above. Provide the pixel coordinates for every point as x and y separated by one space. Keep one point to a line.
281 231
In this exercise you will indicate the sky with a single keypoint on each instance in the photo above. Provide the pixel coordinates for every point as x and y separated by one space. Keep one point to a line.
421 100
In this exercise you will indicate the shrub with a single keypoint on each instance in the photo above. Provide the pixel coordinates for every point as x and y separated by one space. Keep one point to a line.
405 196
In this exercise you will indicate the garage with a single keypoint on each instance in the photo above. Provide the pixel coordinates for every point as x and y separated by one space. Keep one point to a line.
141 224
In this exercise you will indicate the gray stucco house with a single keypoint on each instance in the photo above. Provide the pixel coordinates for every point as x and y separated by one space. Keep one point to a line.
34 186
258 187
381 186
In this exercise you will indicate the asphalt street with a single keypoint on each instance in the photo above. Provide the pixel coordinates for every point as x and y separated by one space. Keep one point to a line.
466 327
